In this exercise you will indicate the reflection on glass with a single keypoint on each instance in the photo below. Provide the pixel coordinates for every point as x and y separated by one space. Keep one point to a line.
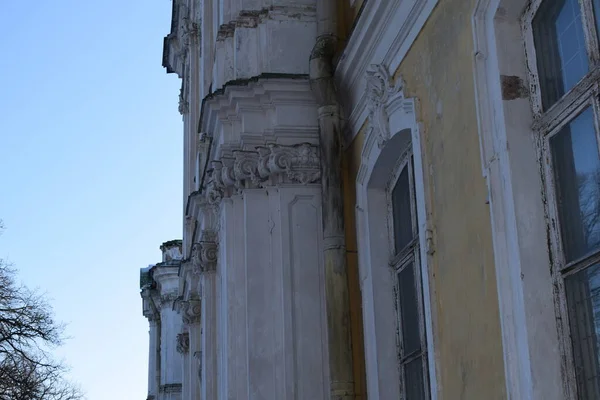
597 15
402 215
409 312
577 175
413 379
583 300
560 48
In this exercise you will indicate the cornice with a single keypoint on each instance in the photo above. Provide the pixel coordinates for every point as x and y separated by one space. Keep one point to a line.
382 35
253 18
269 108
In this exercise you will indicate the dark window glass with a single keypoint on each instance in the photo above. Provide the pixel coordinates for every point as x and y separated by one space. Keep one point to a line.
577 175
583 299
403 232
560 48
409 312
413 379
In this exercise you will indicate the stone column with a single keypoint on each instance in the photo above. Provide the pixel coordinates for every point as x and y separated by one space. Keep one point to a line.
275 333
153 316
166 275
191 318
153 357
205 255
183 347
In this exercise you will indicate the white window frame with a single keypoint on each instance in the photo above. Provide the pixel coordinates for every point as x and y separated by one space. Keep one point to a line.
548 123
394 130
512 167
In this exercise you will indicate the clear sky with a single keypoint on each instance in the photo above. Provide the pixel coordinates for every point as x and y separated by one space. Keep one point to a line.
90 171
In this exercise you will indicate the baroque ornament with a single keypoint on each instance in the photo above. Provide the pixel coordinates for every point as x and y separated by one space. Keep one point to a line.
381 89
167 299
183 342
204 256
191 311
298 163
184 106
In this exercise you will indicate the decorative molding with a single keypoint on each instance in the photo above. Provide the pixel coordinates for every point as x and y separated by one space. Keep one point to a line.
300 163
383 34
392 128
167 299
297 163
171 388
253 18
381 91
191 311
183 343
386 102
204 254
184 105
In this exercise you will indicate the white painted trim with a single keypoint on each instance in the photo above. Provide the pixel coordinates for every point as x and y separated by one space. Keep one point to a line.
508 159
401 119
384 32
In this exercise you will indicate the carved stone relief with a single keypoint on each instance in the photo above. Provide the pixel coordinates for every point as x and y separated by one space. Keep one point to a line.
299 163
191 311
167 299
381 90
204 254
183 343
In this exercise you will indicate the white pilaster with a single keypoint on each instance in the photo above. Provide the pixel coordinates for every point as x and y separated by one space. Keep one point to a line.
153 355
167 280
209 335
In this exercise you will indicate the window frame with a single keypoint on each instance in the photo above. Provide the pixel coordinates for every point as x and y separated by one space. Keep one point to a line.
398 261
547 124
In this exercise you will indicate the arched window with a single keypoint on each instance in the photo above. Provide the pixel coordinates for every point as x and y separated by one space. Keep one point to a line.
392 241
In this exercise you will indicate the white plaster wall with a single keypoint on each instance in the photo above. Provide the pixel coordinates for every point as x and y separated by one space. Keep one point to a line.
274 327
171 361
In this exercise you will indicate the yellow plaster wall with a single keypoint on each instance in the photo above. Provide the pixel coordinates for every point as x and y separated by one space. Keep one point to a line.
438 71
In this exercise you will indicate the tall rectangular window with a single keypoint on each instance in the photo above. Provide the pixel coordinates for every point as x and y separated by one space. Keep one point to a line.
412 346
565 100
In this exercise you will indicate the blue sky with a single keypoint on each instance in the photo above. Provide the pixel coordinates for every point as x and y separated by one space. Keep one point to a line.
90 171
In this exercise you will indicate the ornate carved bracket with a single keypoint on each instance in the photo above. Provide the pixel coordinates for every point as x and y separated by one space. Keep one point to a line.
204 255
184 105
183 342
381 90
292 164
191 311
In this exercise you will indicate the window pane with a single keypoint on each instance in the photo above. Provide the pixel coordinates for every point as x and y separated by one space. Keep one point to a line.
597 15
409 312
403 232
577 175
413 379
560 48
583 300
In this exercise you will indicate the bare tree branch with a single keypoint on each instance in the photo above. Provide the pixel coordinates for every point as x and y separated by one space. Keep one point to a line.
28 332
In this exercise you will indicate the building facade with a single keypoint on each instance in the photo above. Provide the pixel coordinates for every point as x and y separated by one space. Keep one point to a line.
383 200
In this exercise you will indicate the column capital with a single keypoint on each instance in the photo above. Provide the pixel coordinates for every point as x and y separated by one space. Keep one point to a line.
183 342
204 253
167 299
191 311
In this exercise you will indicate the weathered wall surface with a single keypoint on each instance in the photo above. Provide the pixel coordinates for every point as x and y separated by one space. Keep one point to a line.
438 71
350 165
